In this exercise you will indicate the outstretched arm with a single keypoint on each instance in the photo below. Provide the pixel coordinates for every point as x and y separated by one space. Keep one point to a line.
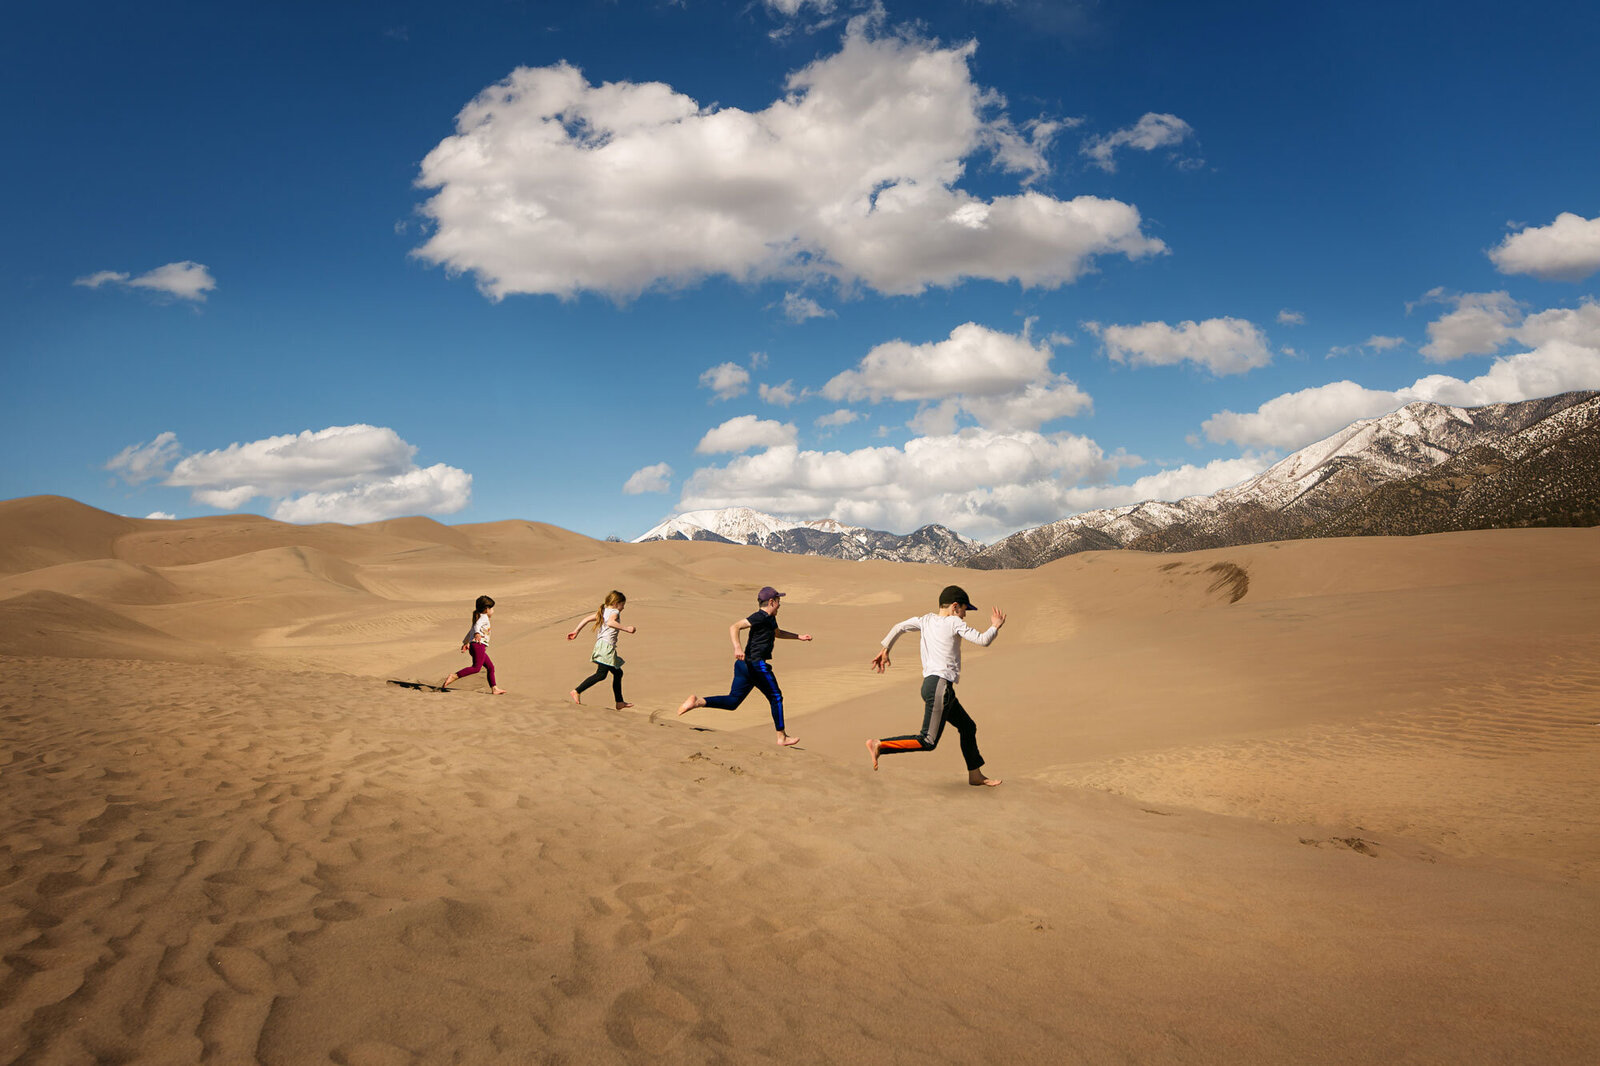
880 661
784 634
579 628
997 618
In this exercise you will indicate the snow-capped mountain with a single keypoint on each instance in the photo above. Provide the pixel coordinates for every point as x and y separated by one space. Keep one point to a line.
1424 468
823 536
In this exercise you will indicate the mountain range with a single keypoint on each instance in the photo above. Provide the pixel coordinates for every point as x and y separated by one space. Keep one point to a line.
1425 468
825 537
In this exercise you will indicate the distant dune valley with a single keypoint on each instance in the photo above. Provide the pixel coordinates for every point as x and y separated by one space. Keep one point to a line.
1260 802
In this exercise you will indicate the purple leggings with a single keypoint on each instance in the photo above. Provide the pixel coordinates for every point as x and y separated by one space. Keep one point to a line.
480 661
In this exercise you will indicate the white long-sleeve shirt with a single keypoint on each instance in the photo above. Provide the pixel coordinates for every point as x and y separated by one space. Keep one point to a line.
942 635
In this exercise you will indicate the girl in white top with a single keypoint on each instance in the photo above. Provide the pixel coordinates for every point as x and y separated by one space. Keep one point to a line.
942 635
476 644
607 624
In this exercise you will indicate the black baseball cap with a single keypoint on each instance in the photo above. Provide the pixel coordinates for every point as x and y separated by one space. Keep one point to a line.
955 594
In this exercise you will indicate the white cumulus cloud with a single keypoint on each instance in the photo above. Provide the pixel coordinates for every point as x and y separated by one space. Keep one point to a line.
778 395
1579 325
184 280
656 478
438 489
1173 483
982 482
1479 325
1221 345
552 184
745 432
1566 250
1002 380
726 380
347 474
1567 358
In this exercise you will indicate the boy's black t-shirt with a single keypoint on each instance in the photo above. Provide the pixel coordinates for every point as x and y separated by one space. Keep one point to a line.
763 633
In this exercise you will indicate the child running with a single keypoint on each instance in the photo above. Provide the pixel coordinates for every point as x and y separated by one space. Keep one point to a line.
476 643
942 634
607 621
752 666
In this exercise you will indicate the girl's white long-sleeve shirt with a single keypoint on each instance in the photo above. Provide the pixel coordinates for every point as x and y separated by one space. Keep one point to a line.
942 635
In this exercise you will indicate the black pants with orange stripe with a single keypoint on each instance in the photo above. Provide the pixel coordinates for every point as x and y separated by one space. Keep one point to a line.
940 706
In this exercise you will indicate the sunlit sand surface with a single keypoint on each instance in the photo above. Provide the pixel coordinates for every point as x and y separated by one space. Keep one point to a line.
1316 802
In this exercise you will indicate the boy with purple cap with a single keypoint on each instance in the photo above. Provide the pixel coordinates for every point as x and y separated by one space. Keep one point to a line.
942 635
752 667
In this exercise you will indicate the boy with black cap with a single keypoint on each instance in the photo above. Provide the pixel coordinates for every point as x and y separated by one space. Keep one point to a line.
752 667
942 634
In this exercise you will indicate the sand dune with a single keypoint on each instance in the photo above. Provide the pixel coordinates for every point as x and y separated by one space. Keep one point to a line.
1313 801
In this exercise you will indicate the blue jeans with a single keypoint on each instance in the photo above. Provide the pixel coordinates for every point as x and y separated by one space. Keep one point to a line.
746 676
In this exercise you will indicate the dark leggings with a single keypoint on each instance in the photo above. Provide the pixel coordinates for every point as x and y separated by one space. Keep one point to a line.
480 661
599 675
939 706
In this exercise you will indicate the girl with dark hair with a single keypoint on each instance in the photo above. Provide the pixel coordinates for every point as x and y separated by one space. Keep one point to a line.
476 644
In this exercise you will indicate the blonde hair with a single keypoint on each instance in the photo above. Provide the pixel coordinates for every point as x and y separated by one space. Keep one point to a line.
613 599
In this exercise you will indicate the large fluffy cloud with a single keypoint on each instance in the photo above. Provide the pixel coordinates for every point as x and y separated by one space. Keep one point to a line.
980 481
1566 357
554 185
1566 250
1221 345
438 489
1479 325
346 474
1001 379
746 432
184 280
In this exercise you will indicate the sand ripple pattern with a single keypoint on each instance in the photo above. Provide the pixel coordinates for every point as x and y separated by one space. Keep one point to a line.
249 866
1484 770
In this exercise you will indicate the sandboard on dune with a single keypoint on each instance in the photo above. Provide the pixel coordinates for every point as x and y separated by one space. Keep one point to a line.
418 685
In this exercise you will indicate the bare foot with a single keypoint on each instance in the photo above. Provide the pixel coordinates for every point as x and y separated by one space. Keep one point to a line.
690 704
785 740
976 777
497 691
575 699
446 682
872 746
623 706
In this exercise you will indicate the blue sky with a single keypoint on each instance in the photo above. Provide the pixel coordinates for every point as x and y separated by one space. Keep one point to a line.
981 263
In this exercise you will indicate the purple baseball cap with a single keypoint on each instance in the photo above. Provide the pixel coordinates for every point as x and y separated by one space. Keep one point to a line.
768 593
